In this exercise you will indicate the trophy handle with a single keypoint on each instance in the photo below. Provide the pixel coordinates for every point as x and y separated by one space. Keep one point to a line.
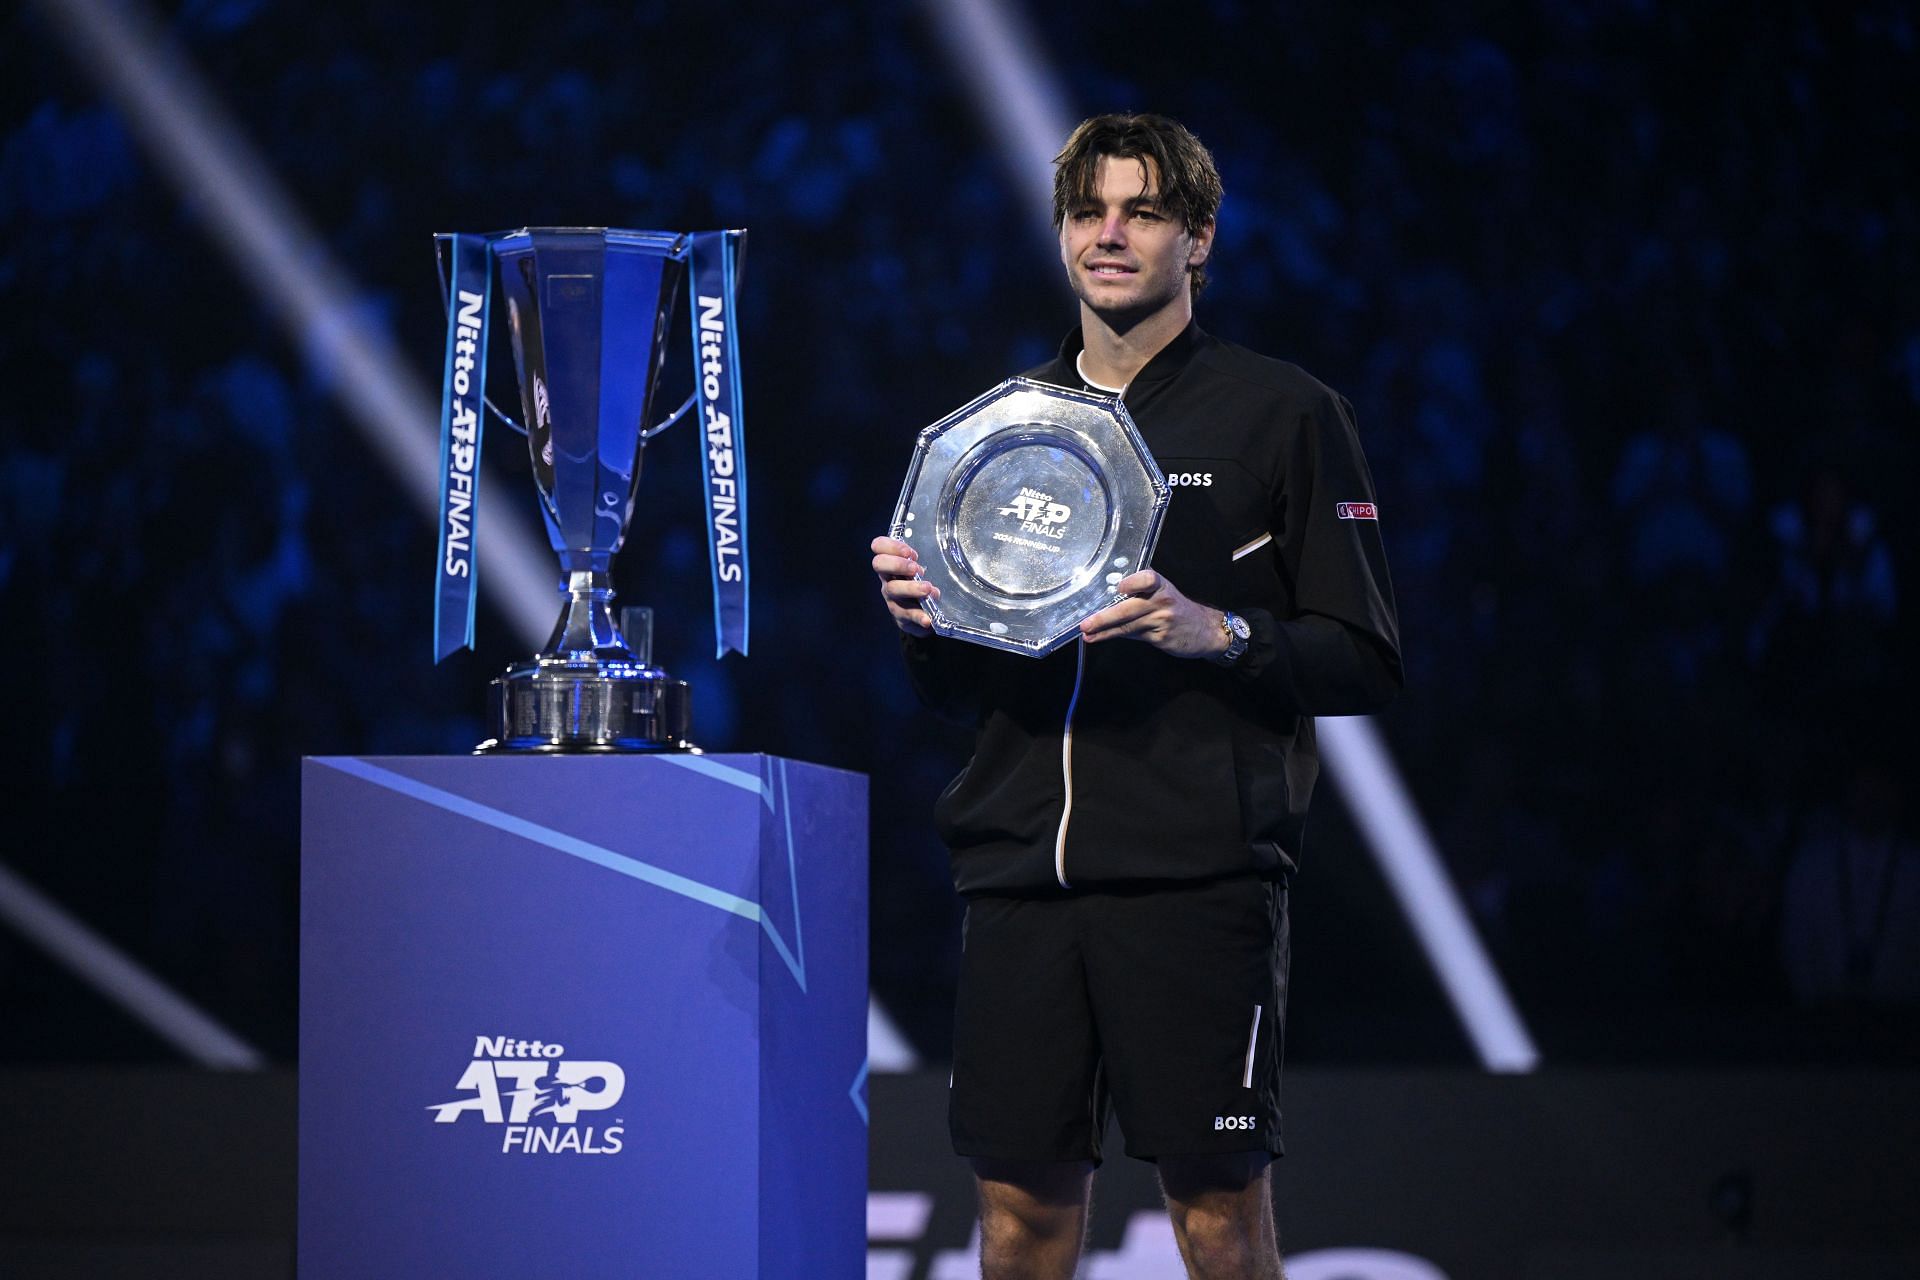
504 419
446 293
671 418
646 435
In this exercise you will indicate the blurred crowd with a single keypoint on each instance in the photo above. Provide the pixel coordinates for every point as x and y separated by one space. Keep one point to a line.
1624 295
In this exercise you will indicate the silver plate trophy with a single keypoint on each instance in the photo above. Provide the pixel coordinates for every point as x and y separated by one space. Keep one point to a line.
589 311
1027 506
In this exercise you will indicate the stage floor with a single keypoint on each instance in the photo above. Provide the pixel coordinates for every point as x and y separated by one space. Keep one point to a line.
111 1172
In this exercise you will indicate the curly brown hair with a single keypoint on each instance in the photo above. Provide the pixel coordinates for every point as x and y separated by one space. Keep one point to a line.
1189 183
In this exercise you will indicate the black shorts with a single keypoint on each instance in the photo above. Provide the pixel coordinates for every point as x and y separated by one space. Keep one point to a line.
1163 1004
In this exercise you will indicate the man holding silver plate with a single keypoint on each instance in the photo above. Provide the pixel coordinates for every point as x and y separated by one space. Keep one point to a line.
1199 525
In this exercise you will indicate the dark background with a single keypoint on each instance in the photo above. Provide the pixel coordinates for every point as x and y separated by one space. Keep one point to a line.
1624 296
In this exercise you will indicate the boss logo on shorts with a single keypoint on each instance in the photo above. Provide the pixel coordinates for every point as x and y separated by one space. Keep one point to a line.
1221 1123
1202 479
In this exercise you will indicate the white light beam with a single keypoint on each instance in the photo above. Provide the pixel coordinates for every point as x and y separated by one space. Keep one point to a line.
1363 774
199 149
110 971
997 55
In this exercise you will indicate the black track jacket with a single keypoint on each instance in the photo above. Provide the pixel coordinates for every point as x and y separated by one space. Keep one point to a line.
1174 768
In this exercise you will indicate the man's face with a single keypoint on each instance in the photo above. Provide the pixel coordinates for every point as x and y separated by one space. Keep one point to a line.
1126 256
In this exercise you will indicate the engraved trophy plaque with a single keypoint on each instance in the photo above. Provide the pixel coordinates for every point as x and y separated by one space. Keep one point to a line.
1027 507
588 311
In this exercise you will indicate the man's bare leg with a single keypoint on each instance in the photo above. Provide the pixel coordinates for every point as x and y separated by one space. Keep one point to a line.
1033 1218
1222 1211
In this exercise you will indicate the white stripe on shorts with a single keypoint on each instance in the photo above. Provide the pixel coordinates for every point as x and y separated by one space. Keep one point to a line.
1253 1038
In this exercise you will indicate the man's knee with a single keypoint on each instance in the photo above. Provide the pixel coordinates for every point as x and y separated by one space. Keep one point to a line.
1032 1188
1038 1200
1222 1242
1222 1211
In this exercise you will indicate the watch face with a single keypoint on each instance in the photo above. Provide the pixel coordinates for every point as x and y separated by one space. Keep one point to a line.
1027 506
1238 625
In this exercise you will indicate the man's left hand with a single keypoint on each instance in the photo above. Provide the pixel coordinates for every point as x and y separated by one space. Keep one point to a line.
1156 612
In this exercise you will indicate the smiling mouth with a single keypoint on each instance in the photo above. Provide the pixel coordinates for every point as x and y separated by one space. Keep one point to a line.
1110 269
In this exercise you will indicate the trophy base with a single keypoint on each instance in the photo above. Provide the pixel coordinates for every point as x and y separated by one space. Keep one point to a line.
579 707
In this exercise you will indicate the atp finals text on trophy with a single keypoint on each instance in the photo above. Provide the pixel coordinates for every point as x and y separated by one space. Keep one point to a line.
589 310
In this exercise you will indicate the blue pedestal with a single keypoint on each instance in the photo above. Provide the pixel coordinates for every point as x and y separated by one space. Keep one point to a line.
582 1017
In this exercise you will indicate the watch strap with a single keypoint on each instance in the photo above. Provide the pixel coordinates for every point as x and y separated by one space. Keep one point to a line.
1238 635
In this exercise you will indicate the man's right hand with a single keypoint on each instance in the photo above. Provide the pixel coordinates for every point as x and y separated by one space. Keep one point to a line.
901 586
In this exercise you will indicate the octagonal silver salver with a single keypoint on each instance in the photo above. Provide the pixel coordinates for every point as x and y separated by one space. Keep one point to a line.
1027 506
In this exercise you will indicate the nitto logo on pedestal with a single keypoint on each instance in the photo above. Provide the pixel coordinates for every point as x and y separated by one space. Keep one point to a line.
526 1086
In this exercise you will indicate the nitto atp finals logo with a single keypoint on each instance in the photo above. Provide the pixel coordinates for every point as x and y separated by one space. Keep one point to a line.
526 1086
1038 513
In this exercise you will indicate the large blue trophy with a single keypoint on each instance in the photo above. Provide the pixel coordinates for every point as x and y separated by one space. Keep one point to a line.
589 313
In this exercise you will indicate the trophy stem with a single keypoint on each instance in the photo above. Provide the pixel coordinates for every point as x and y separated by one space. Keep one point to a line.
586 628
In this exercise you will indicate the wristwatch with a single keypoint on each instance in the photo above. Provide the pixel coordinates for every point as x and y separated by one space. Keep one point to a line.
1238 633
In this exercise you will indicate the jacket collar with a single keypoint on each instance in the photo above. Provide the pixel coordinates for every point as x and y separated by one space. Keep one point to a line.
1166 362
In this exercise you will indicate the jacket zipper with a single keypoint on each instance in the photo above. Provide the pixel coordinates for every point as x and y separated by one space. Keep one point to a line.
1066 767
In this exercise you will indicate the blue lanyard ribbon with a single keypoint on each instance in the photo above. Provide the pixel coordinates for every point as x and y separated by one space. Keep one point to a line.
716 354
462 419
